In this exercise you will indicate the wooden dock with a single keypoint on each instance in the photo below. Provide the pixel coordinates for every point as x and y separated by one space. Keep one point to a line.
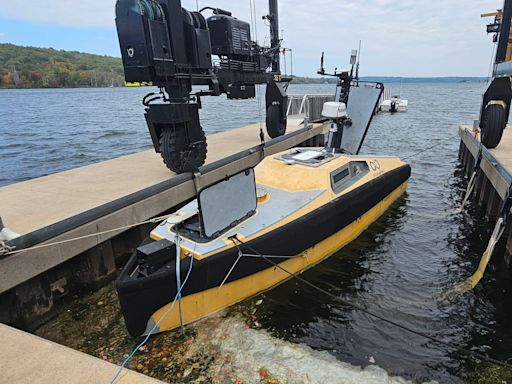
494 180
100 197
25 358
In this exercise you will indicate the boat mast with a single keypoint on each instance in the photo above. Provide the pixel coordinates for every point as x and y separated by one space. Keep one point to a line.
275 42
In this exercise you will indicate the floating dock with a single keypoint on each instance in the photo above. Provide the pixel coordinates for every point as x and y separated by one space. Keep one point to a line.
494 178
25 358
104 196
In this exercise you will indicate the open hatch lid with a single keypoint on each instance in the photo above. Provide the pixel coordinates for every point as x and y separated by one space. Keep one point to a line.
226 203
362 104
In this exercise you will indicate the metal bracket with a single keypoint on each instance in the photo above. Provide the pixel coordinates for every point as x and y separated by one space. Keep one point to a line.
197 182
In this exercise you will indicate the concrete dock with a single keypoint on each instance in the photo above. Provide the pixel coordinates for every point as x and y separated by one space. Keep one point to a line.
72 192
25 358
494 180
103 196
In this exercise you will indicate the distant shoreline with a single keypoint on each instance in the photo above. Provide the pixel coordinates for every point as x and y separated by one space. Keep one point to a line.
48 68
315 81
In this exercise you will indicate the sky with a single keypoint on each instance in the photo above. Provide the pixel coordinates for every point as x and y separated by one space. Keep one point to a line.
409 38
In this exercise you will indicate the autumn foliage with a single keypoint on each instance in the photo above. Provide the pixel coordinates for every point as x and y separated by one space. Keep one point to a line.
29 67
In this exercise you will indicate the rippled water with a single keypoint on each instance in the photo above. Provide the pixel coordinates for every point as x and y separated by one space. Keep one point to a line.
396 268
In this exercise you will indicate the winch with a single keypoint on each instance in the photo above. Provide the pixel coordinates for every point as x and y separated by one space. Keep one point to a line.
170 47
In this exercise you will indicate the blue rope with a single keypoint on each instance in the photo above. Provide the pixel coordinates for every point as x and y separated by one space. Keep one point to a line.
126 361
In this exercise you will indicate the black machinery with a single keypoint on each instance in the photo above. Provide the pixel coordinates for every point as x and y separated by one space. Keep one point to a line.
165 45
351 112
495 107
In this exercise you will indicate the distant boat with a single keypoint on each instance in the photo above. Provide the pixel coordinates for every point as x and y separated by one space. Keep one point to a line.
394 104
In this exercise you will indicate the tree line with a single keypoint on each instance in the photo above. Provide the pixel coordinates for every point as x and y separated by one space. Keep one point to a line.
29 67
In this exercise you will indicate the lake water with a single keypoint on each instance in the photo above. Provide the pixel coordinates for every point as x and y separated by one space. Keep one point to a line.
396 268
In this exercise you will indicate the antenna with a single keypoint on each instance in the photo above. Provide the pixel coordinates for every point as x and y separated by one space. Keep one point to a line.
321 71
358 60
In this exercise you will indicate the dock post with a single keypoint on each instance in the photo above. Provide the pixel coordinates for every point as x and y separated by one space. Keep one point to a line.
95 267
29 305
463 156
484 191
470 163
493 205
461 150
127 242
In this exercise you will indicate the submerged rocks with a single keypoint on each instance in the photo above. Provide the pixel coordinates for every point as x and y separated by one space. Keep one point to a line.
254 356
222 349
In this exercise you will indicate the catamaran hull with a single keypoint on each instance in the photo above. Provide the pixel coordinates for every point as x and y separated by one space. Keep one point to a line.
305 242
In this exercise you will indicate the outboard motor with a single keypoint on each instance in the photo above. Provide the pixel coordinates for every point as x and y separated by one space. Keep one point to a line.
393 106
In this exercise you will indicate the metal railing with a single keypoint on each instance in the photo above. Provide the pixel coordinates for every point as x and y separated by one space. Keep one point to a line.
308 105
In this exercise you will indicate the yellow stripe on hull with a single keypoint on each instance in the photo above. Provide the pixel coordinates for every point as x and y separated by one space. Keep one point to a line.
205 303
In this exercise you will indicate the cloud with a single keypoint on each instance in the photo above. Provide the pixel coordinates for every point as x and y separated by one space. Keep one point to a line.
2 35
406 37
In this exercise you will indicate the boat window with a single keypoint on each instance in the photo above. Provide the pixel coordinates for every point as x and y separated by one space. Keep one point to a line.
348 174
339 178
